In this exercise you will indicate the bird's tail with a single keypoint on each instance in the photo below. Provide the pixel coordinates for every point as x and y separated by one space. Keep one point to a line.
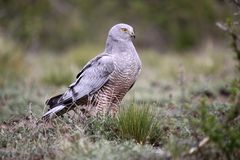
51 102
53 112
59 106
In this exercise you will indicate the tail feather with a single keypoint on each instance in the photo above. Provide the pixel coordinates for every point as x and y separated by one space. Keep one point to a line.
53 101
53 112
57 108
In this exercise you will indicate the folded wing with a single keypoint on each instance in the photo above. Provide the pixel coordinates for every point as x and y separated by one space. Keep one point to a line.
93 76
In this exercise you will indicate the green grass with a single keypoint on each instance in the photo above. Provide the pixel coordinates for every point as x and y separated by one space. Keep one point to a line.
12 62
58 76
25 138
134 122
139 123
81 55
154 121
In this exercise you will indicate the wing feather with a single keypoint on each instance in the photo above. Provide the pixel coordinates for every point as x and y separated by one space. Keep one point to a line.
93 76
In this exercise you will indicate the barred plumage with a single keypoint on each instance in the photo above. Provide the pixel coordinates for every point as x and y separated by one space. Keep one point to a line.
104 81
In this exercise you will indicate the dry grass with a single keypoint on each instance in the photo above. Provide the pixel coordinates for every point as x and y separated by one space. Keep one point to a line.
164 80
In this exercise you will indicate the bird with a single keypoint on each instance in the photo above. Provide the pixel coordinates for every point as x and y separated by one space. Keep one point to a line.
103 82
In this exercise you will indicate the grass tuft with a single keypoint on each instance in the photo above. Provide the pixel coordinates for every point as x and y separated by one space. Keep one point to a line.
139 123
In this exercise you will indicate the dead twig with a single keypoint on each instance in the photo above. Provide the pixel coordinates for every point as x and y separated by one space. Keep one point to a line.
194 150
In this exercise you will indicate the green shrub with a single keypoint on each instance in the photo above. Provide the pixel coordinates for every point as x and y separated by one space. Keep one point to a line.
223 131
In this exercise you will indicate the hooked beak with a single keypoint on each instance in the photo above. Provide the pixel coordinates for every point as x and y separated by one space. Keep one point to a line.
132 34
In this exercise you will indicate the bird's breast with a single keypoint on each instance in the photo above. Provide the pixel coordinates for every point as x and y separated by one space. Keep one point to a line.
126 70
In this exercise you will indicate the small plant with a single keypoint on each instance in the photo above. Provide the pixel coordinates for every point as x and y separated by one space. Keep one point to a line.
134 122
139 123
223 131
102 127
231 26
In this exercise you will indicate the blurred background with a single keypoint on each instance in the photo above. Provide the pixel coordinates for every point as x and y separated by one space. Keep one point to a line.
45 43
160 24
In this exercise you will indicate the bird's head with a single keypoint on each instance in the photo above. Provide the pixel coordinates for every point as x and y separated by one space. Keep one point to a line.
122 31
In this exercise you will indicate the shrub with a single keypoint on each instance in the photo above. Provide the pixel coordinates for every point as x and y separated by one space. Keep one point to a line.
223 131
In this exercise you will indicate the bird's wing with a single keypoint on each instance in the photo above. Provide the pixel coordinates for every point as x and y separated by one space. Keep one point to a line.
93 76
89 64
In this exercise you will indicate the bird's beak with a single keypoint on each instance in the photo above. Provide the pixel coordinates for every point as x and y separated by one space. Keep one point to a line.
132 34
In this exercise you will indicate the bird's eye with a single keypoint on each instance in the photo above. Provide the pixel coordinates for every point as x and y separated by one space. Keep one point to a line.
124 29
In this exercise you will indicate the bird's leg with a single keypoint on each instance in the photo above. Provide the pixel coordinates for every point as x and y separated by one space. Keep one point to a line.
110 103
113 109
75 112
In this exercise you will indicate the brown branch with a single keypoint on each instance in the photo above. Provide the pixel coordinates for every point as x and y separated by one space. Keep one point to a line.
236 2
235 38
194 150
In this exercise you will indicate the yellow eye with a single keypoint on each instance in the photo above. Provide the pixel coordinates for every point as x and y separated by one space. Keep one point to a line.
124 29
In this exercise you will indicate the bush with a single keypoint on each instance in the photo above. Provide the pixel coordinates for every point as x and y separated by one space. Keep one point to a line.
223 131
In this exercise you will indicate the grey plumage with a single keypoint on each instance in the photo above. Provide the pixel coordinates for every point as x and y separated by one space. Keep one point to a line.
103 82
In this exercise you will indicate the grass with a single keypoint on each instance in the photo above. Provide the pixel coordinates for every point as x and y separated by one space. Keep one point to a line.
81 55
154 121
222 130
29 140
139 123
12 63
58 76
134 122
